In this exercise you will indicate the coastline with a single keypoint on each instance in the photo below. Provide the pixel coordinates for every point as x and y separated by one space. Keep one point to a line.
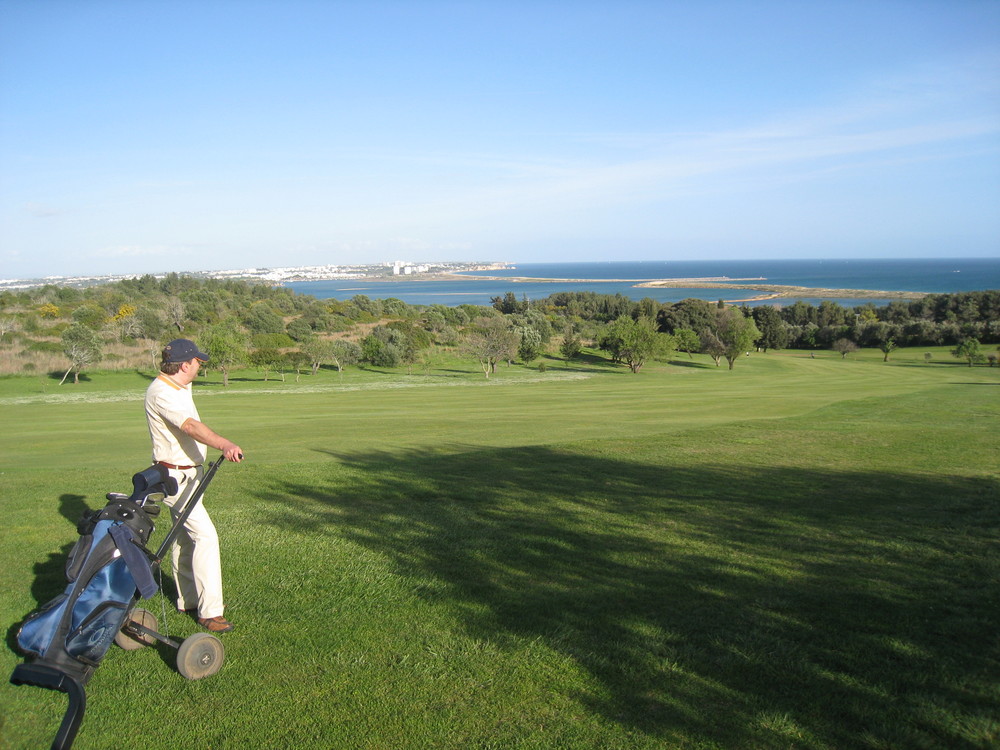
748 278
767 291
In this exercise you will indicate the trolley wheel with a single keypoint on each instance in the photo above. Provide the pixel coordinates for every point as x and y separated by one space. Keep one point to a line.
200 655
130 641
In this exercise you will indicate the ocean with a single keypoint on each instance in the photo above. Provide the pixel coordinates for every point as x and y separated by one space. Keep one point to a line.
613 277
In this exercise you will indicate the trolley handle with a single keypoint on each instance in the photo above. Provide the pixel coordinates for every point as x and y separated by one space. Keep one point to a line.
188 507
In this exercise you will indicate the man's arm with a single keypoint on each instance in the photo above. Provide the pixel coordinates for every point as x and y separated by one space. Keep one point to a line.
203 434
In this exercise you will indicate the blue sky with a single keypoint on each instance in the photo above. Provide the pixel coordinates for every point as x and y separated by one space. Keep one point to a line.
147 136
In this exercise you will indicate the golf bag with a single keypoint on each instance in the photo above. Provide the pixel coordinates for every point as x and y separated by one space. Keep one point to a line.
108 569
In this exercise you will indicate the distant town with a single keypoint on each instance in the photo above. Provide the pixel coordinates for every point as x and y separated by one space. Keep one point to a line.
278 276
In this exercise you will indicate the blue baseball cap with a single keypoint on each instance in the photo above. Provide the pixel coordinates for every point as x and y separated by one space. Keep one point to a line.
183 350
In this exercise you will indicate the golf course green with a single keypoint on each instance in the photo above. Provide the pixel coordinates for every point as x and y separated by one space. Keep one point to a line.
800 552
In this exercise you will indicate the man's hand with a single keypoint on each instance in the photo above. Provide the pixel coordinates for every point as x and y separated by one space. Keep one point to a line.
232 452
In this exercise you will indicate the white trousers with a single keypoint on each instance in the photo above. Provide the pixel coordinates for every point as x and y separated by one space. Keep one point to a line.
196 560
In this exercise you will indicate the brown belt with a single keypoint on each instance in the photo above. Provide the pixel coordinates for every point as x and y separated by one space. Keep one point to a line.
178 468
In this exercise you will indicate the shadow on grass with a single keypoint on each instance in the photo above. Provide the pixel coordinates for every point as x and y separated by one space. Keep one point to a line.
72 507
212 383
936 364
692 363
710 604
593 360
49 582
60 374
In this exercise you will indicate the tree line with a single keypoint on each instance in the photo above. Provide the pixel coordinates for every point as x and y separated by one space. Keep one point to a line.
965 320
250 324
934 320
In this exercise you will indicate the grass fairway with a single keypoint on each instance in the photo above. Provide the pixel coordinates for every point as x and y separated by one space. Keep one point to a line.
800 553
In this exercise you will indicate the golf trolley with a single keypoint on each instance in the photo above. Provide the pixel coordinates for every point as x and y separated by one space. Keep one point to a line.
108 570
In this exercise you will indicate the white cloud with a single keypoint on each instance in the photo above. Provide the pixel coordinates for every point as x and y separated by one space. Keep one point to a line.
859 134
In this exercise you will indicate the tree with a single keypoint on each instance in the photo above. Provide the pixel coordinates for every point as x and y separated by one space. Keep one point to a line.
508 304
695 314
887 346
175 313
687 341
146 323
774 332
126 322
369 309
737 333
666 347
343 353
226 345
393 307
490 340
83 347
612 339
317 351
571 345
265 360
712 345
297 361
875 333
805 337
538 320
866 313
632 341
845 347
384 347
262 319
830 314
434 321
648 308
530 346
411 340
299 329
968 349
801 314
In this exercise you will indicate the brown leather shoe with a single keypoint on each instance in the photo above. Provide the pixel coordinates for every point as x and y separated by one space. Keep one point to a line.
215 624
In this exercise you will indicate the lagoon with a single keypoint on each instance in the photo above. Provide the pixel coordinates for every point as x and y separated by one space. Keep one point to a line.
934 275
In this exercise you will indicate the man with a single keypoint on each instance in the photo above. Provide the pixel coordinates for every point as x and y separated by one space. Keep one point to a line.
179 438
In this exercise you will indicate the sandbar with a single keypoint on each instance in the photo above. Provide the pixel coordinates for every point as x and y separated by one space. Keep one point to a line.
767 291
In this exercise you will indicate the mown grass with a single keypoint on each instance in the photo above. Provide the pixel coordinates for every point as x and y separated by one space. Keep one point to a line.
798 553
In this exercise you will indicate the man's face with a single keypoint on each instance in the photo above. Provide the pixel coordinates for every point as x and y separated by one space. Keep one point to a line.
190 369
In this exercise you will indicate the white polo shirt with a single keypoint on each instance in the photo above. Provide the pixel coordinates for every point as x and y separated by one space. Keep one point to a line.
168 406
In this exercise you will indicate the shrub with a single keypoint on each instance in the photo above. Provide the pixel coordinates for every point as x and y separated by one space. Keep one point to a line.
299 329
272 341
